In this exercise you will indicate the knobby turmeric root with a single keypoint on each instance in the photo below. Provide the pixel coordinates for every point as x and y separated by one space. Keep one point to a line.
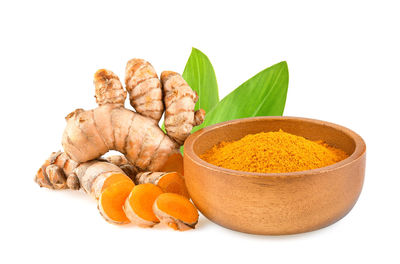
170 182
62 178
146 148
90 134
139 205
144 88
61 172
179 101
111 202
176 211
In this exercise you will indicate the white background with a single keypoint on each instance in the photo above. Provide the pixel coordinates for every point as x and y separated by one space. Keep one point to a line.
343 61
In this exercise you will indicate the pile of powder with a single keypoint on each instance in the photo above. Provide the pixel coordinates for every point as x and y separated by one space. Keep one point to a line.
273 152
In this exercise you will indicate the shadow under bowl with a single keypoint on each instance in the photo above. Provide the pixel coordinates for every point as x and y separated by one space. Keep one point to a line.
275 203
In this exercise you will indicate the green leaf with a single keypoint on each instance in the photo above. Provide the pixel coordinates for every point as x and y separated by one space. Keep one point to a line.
262 95
200 75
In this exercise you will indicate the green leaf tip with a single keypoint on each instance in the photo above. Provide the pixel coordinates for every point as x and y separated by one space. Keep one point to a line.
200 75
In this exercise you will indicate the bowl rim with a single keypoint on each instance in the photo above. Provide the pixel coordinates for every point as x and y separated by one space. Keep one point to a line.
359 151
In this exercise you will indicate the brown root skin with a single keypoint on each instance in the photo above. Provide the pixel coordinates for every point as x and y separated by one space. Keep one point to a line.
50 177
141 140
108 88
124 165
57 177
171 182
199 117
42 179
117 160
179 101
144 87
139 205
176 211
129 170
73 182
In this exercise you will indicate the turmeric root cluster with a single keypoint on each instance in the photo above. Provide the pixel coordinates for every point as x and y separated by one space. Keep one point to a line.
145 185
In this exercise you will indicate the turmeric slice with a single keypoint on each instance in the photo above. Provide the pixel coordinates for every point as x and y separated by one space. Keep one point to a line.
112 200
174 163
176 211
103 181
171 182
139 205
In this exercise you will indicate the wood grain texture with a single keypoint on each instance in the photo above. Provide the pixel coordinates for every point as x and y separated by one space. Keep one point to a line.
275 203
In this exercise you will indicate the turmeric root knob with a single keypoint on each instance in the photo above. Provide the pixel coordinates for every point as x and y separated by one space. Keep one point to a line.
144 87
176 211
139 205
111 202
109 89
180 101
56 177
57 172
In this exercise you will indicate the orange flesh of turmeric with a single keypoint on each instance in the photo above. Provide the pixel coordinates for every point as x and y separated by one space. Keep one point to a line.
116 177
178 207
273 152
112 200
174 163
173 183
142 199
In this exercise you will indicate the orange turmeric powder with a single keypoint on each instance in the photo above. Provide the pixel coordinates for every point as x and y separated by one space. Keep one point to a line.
273 152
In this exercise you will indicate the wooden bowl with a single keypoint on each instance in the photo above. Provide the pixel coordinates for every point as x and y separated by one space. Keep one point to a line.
275 203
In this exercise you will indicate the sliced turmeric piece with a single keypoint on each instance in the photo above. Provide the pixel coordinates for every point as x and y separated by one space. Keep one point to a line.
112 200
174 163
171 182
176 211
115 178
105 180
139 205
